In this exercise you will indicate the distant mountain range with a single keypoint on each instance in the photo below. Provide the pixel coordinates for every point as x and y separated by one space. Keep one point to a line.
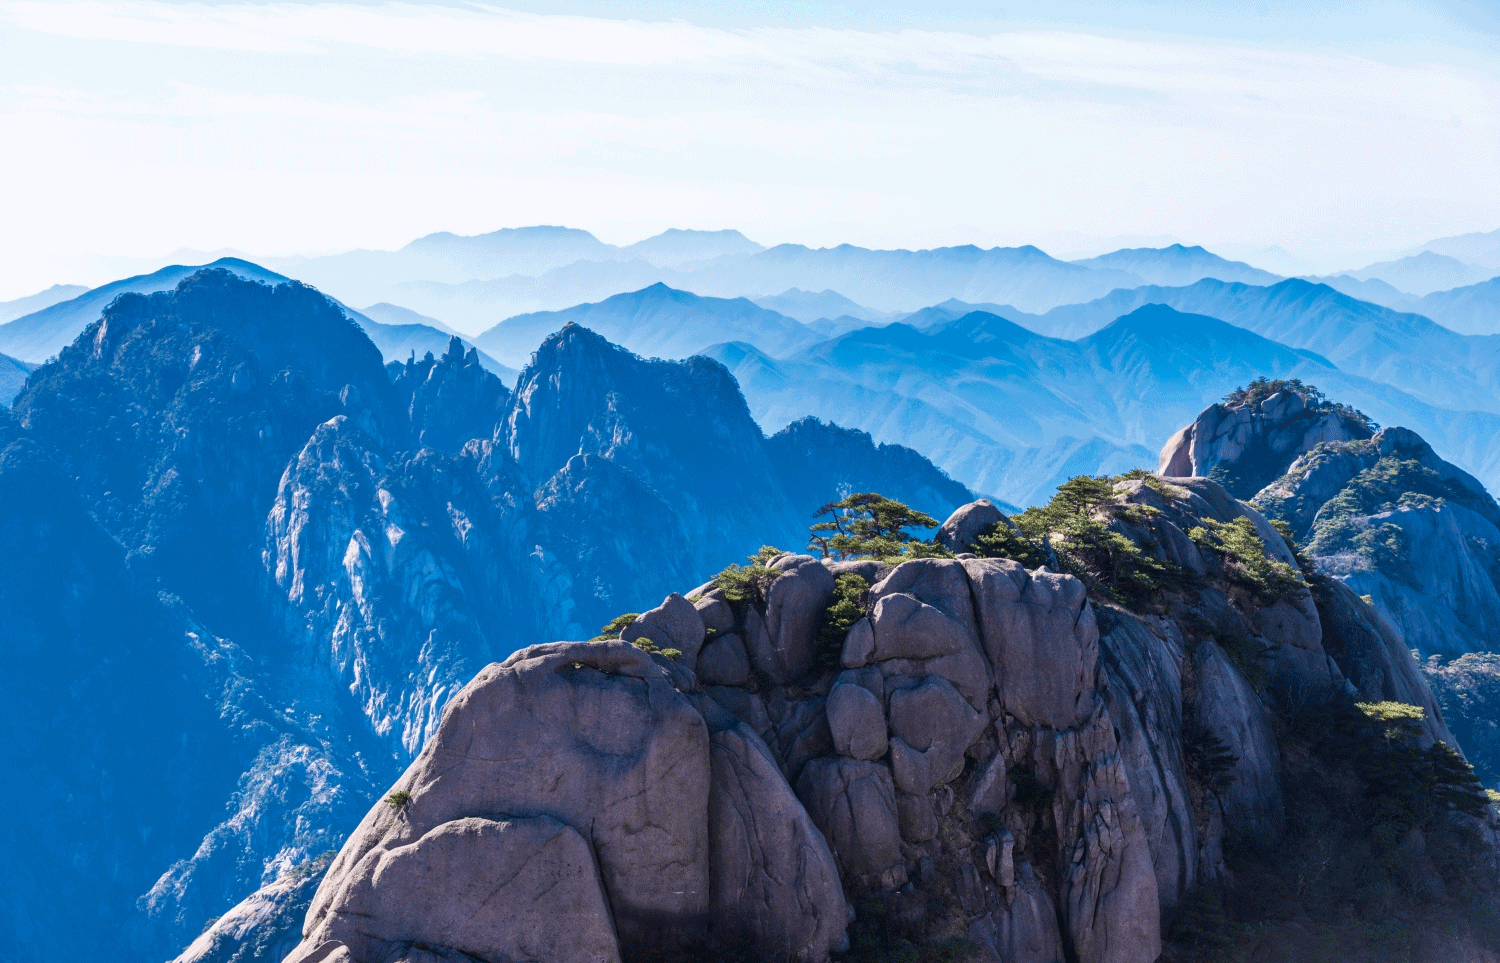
20 307
1011 412
41 334
471 283
445 258
809 307
1430 362
1424 273
1481 248
656 321
1177 265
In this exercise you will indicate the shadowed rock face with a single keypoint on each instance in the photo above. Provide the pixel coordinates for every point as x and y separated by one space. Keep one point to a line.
450 400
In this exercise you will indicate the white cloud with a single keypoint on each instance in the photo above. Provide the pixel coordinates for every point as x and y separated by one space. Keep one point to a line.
139 127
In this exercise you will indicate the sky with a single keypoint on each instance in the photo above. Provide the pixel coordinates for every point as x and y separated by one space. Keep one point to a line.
1316 135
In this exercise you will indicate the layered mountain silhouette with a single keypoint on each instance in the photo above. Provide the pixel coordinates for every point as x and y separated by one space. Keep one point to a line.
1176 265
20 307
1013 412
474 290
657 321
1432 363
1424 273
247 564
1474 309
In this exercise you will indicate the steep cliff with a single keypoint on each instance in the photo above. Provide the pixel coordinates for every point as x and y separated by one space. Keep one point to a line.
246 567
948 758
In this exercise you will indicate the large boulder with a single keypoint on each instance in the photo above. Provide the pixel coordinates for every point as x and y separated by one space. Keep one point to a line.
1042 641
674 624
512 889
857 721
795 604
593 736
931 727
968 522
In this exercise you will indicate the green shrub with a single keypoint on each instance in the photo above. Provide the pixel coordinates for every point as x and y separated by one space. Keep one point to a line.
616 625
398 800
1002 541
1246 561
646 645
1076 525
851 595
1399 721
746 583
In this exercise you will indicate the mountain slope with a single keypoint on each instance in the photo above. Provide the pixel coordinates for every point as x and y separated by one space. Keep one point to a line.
20 307
1424 273
1176 265
814 458
1424 359
41 334
1469 310
675 247
13 375
656 321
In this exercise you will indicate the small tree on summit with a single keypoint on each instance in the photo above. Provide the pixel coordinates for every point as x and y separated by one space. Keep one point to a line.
868 524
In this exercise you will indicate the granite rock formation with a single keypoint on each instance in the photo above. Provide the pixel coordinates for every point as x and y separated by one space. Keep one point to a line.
987 742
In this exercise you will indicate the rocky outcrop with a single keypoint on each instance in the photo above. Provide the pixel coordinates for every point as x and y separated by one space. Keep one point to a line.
895 755
1249 442
687 827
449 400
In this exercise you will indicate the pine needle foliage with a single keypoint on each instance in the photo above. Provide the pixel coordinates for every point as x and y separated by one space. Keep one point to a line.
851 594
869 525
1246 561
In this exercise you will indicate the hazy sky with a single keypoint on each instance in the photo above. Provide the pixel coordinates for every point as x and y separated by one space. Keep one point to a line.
1338 131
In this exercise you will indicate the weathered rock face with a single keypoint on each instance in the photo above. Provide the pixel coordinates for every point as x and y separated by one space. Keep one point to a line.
612 767
450 400
1250 444
1382 513
894 759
